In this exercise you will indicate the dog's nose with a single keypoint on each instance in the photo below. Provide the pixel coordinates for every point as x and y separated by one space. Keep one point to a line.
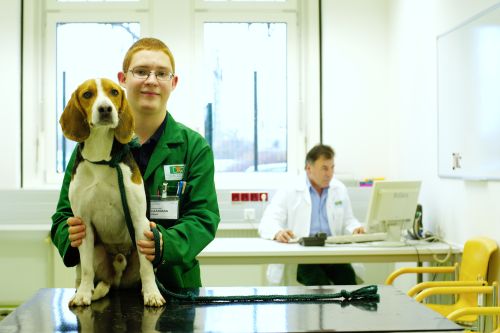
104 109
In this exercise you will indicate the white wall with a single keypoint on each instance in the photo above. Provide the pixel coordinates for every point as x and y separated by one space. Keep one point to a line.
379 104
357 121
413 83
10 94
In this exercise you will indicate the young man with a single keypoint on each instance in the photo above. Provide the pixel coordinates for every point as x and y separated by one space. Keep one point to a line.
169 153
317 203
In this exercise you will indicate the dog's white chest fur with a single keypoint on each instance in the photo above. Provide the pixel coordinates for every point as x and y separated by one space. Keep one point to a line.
94 193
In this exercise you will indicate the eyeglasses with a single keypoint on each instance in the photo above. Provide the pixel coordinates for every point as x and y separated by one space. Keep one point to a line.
143 74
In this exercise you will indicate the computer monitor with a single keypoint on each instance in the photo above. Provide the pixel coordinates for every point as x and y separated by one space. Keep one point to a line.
392 206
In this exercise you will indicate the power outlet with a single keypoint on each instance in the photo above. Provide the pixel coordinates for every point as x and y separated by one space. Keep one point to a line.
249 214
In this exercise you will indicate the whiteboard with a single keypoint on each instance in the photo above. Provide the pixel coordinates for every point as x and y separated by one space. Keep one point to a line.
468 67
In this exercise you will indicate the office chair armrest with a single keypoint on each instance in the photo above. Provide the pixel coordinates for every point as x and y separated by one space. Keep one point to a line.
474 310
431 284
419 270
453 290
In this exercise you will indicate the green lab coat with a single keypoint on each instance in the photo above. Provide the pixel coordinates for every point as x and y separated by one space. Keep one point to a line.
183 239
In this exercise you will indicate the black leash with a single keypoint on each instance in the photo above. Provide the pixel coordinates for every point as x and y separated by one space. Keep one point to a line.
363 294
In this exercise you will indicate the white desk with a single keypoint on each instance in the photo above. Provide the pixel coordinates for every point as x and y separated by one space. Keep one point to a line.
242 251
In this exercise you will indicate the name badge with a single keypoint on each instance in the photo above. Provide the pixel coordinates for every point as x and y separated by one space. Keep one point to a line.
173 172
166 209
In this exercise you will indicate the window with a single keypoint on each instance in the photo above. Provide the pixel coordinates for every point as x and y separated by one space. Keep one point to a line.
81 41
249 89
246 115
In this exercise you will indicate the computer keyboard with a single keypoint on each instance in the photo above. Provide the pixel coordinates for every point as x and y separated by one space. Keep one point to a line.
356 238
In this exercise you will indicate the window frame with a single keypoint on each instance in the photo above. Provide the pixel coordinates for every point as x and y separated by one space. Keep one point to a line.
39 167
95 6
242 5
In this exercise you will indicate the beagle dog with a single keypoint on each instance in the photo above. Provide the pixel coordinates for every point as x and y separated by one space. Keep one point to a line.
98 117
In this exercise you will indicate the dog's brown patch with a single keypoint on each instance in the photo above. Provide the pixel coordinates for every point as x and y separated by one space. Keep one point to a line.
75 118
132 164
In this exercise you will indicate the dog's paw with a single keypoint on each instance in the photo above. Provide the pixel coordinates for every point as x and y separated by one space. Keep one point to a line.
153 299
81 299
150 312
81 311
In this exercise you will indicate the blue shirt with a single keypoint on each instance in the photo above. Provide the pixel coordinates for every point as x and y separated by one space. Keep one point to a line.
319 217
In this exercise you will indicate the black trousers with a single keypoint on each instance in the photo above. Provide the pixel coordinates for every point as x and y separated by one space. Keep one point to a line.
325 274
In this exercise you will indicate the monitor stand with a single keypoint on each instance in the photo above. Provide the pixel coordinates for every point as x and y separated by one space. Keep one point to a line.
394 231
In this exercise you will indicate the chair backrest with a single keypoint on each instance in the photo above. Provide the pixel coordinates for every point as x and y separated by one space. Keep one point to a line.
475 258
474 265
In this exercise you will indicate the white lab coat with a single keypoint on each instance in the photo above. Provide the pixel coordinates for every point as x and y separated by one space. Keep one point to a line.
290 208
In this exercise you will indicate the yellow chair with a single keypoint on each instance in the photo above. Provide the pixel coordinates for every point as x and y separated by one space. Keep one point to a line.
472 273
493 311
462 291
465 314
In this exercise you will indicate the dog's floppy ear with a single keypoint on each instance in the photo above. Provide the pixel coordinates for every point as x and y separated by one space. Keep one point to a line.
125 129
74 120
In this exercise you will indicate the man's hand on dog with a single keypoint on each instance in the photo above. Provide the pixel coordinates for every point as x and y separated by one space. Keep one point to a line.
76 231
147 247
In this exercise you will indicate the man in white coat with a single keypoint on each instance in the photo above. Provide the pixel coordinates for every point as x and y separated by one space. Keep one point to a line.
317 203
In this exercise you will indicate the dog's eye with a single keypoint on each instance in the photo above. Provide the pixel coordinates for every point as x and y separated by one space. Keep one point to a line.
114 92
87 94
